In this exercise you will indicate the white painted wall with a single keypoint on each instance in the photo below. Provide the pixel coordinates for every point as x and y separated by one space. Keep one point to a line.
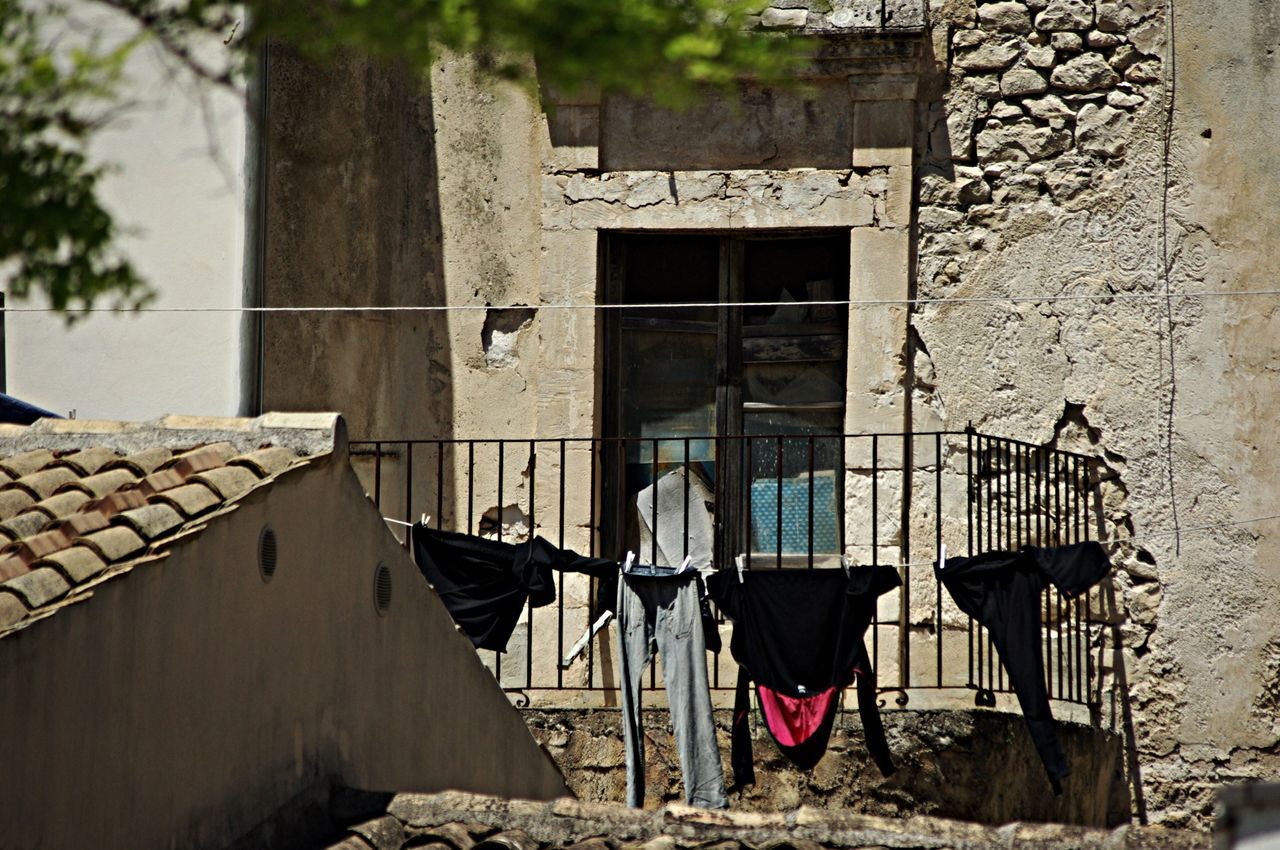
180 190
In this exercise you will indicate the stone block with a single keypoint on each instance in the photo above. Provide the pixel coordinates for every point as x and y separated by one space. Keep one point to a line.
897 203
1007 16
956 13
1020 142
990 56
883 133
1022 81
1149 37
775 18
903 13
1069 42
1113 17
1102 129
1085 73
1143 72
1041 57
1048 108
1101 40
859 14
1066 15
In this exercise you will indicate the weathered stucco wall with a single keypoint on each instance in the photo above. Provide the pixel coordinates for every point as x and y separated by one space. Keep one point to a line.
188 701
1013 151
1045 173
352 219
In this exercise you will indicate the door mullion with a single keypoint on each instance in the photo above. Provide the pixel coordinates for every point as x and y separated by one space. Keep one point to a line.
729 475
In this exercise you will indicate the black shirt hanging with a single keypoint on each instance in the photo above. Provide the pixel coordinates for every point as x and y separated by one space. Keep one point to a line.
486 583
1001 590
799 635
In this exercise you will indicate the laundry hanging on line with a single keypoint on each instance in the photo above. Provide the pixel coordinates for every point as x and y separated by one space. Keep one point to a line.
485 584
798 634
1001 590
663 613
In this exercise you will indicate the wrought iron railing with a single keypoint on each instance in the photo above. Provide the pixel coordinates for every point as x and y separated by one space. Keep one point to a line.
794 501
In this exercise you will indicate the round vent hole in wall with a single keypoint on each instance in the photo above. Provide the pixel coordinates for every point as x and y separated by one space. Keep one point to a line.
382 589
267 553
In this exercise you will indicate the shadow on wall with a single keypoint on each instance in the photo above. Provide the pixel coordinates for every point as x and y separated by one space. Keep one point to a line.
352 219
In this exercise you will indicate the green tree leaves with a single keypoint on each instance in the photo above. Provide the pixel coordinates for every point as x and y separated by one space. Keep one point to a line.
55 236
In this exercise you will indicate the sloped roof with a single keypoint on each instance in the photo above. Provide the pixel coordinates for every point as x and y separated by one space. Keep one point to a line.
81 501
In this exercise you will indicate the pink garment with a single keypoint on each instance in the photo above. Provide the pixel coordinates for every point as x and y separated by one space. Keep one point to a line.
792 720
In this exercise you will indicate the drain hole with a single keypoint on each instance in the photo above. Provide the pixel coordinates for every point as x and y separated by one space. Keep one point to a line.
267 553
381 589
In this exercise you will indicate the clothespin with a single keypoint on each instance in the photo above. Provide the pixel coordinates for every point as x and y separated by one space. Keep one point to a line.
739 562
626 565
426 519
942 557
844 563
688 559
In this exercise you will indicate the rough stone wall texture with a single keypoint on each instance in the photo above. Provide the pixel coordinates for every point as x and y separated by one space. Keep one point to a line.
1044 172
975 765
1040 169
460 821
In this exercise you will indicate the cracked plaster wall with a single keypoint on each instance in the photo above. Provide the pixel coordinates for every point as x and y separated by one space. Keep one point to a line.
1040 169
1043 171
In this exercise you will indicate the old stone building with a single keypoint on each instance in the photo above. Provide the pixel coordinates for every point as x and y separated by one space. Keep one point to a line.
1045 220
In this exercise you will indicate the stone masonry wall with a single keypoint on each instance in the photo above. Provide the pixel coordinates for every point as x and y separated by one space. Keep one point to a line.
1049 167
972 764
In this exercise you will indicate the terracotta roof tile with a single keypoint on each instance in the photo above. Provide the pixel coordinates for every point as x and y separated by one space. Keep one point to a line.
190 500
114 543
268 461
62 504
150 521
87 461
198 460
26 463
161 480
228 481
81 499
14 502
44 483
26 524
141 463
114 503
80 524
12 610
77 564
12 566
31 549
38 587
101 484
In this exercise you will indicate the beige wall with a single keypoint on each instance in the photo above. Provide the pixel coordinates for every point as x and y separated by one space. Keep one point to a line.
177 190
1012 196
187 701
1008 209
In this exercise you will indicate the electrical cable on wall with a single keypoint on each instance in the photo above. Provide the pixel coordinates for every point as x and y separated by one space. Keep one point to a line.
1166 262
1166 296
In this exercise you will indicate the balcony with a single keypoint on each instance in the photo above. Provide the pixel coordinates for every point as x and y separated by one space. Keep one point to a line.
775 501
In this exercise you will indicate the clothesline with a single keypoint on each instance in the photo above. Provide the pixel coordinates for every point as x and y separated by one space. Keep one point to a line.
1107 541
852 302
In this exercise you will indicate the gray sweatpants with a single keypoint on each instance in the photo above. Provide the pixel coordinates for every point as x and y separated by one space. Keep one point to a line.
662 614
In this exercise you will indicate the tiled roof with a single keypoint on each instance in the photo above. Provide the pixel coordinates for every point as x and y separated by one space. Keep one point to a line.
455 820
81 501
